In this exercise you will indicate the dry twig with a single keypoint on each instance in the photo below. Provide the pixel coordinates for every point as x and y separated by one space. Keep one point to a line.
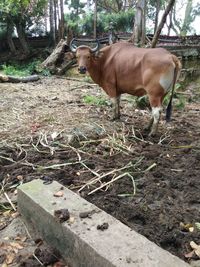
9 200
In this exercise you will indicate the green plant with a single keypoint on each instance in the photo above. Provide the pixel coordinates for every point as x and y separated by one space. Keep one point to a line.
16 69
180 103
179 100
123 21
93 100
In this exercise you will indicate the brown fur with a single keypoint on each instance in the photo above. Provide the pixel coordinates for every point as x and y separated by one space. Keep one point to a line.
122 68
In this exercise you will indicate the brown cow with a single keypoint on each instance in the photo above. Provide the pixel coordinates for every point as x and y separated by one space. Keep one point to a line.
122 68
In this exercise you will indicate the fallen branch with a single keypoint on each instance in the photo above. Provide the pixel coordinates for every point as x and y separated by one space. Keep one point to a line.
13 79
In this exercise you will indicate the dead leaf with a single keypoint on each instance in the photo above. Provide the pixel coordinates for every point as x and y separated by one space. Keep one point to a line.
15 214
190 254
16 245
187 227
58 194
20 177
21 238
6 213
71 220
195 247
191 229
10 258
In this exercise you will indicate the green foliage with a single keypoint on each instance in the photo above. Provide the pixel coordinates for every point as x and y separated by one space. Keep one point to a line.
22 12
2 30
179 100
94 100
123 21
15 70
26 69
23 8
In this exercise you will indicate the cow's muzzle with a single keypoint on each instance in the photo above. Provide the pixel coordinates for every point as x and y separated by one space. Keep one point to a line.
82 70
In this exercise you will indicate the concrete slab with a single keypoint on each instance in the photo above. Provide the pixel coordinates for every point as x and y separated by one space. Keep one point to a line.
78 240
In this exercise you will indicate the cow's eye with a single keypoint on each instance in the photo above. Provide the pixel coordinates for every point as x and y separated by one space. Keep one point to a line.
88 57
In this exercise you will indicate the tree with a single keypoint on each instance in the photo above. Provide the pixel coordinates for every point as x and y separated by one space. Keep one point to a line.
52 23
139 30
62 21
115 6
20 14
162 22
10 29
182 26
95 19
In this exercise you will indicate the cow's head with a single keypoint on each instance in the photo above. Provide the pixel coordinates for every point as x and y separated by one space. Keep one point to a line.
84 55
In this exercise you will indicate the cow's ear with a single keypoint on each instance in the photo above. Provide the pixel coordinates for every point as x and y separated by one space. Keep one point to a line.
98 54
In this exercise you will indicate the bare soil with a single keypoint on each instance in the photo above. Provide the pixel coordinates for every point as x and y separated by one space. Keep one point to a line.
157 185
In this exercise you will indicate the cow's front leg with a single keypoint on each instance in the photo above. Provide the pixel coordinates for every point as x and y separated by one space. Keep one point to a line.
156 111
116 107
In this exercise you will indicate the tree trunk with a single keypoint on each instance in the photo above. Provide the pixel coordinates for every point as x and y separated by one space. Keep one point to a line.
162 22
95 19
139 31
9 37
187 18
52 25
57 60
88 4
55 18
22 37
62 21
158 4
170 23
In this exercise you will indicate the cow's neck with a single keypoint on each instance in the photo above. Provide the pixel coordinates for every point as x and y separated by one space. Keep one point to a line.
95 71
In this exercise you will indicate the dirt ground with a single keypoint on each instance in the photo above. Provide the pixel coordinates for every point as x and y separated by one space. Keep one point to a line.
150 184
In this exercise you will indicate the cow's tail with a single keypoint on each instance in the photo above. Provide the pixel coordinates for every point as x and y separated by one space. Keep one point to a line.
176 75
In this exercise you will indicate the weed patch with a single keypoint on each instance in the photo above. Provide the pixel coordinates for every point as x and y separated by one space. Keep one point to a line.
93 100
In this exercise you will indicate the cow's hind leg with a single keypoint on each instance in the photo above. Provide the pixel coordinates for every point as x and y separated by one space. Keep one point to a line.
156 106
156 111
116 107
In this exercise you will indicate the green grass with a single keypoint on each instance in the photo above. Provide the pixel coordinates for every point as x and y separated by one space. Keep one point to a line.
15 71
94 100
24 69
